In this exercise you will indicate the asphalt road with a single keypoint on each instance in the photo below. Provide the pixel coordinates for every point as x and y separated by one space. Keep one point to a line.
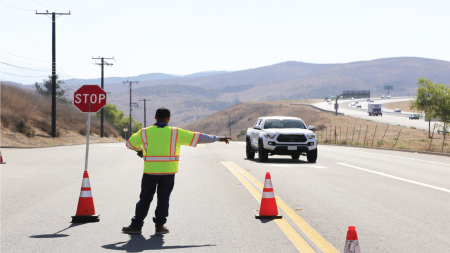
399 202
388 117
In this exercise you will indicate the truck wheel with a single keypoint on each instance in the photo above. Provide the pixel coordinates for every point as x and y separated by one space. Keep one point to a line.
312 156
263 155
296 156
249 151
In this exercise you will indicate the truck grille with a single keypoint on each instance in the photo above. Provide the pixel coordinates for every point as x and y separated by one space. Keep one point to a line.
291 138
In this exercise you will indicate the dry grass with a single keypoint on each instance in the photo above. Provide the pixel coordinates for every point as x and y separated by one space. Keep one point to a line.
404 106
244 115
23 111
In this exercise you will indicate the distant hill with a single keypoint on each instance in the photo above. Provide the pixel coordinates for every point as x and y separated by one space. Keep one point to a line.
198 95
143 78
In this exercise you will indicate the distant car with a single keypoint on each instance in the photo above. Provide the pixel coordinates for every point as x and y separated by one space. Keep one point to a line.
358 106
353 104
388 96
398 110
357 102
370 101
414 116
382 96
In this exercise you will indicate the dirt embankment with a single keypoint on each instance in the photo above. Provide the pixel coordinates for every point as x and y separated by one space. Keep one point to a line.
26 121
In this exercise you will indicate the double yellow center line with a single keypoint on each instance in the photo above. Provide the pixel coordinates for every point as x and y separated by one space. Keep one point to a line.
299 242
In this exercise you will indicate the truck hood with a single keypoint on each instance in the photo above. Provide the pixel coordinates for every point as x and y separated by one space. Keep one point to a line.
287 131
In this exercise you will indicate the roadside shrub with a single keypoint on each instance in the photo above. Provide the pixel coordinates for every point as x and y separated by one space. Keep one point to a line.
30 132
82 131
412 127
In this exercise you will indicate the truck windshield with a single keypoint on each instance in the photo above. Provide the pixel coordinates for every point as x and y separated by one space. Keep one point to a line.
287 123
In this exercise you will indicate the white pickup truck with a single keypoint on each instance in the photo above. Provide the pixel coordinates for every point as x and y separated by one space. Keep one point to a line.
279 135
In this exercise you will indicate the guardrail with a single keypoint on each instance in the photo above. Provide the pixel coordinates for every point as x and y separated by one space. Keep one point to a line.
321 109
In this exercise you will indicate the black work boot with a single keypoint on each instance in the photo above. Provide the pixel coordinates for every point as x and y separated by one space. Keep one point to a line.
161 230
131 230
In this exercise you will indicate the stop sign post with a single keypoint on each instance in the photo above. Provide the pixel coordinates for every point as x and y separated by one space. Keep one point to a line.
89 98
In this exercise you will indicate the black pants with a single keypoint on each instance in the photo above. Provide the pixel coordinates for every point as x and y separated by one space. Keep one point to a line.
163 185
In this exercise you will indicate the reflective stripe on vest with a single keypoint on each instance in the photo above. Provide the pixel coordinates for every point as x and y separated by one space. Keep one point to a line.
130 146
161 158
144 138
173 140
195 139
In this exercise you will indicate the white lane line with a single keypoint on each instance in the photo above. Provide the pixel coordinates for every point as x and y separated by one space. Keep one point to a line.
407 158
397 178
289 166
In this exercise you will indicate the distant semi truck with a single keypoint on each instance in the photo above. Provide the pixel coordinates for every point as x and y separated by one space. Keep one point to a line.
374 109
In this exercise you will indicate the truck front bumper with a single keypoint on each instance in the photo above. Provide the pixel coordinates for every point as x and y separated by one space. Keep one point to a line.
289 148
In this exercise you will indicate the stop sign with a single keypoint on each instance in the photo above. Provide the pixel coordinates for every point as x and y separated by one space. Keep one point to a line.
91 95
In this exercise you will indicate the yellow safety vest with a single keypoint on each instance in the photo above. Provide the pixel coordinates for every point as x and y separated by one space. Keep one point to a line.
161 147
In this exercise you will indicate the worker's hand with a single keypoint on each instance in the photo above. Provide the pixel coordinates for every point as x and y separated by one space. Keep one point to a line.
140 154
225 139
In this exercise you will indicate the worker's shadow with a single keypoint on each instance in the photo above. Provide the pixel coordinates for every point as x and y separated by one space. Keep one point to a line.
138 243
57 234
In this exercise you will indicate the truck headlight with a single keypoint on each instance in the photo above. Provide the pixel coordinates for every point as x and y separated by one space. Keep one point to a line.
311 136
270 136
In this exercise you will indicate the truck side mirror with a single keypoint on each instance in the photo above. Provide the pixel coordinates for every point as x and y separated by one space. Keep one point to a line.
311 128
257 127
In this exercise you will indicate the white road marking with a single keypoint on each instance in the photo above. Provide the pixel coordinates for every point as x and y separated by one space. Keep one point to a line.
407 158
397 178
299 165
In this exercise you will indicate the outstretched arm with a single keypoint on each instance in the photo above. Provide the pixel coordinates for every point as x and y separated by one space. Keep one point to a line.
206 138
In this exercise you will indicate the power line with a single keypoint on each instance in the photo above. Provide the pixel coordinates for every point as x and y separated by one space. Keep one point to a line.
40 65
23 57
19 75
47 6
41 70
85 35
14 6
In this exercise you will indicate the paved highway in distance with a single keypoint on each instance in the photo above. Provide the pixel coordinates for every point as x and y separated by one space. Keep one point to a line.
398 201
388 117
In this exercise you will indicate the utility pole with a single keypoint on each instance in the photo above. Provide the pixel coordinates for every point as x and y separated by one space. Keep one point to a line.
135 104
145 112
101 112
53 66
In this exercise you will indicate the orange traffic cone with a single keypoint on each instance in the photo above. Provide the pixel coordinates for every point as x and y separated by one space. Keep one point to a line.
85 210
352 244
268 209
1 158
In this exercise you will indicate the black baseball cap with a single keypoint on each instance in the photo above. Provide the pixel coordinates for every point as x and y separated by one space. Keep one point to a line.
162 113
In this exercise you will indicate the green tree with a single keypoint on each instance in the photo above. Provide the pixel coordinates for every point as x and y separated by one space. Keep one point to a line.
117 118
46 88
426 99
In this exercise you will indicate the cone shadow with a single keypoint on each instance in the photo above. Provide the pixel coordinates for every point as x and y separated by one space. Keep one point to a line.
57 234
265 220
138 243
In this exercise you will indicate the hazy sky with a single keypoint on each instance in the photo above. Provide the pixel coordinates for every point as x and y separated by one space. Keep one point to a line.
183 37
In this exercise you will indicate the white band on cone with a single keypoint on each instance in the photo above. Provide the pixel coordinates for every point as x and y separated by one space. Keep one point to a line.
85 183
268 195
268 183
86 194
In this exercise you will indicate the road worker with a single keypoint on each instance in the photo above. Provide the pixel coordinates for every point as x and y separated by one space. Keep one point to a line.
159 145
